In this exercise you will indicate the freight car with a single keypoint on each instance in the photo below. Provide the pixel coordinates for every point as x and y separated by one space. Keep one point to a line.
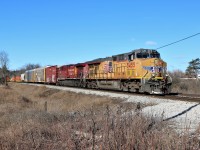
41 75
51 74
140 70
15 79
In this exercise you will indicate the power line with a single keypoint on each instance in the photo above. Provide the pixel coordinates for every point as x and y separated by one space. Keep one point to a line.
178 41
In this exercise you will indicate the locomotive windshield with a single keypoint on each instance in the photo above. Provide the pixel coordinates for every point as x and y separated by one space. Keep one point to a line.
151 54
154 54
148 54
144 53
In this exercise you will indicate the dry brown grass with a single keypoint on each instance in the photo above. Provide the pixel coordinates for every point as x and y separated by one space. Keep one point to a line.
186 86
78 121
61 101
92 129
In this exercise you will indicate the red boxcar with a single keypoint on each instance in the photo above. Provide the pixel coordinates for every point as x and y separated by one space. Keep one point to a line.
71 71
62 72
67 72
51 74
18 79
15 78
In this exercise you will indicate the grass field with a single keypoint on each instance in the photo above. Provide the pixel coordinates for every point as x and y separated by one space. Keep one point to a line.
34 117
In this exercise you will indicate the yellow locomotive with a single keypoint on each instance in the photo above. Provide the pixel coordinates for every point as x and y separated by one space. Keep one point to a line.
140 70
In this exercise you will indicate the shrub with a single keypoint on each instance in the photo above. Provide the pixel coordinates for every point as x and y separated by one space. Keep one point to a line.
183 87
104 128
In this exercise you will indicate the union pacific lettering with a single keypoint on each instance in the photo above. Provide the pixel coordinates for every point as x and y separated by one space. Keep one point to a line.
154 68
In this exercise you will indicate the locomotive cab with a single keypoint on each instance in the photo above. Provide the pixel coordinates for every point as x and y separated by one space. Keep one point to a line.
152 71
148 60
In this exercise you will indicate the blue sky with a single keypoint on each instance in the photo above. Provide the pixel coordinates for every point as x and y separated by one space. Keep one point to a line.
59 32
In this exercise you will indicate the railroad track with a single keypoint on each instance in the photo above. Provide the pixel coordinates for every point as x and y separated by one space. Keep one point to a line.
171 96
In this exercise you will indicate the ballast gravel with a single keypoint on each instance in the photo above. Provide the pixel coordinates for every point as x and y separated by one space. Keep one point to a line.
185 115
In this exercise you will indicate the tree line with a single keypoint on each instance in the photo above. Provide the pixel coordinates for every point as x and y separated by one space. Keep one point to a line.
192 70
5 72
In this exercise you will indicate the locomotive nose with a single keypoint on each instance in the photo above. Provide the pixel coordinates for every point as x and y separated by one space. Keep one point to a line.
158 62
157 67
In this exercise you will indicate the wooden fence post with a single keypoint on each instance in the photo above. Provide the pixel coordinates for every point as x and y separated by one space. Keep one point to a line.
45 106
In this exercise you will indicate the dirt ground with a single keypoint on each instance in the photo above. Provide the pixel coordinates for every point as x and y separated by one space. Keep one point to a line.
36 117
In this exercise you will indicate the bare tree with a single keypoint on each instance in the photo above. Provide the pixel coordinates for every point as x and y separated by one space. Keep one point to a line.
4 65
31 66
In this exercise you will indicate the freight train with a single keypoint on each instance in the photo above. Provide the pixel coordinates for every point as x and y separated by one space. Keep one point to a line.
140 70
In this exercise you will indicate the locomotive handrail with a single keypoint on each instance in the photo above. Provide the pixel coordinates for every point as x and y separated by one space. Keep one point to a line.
144 76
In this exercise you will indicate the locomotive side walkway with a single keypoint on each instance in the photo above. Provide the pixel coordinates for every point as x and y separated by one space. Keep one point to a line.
185 115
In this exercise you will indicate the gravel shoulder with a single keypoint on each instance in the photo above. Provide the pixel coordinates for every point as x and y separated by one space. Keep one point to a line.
185 115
